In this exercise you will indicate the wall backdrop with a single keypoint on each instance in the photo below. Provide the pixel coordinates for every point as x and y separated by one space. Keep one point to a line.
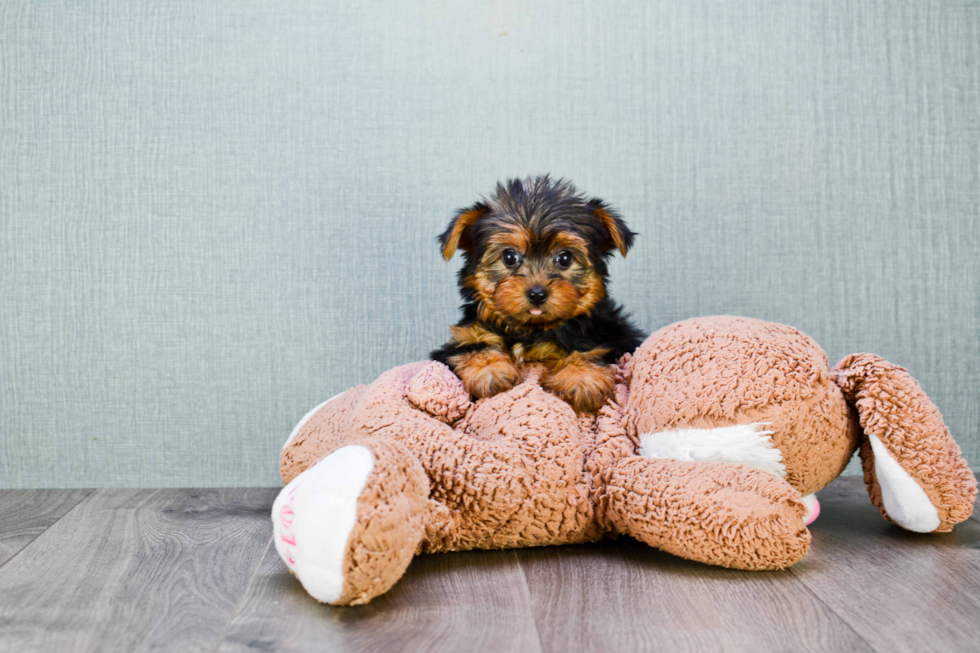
215 215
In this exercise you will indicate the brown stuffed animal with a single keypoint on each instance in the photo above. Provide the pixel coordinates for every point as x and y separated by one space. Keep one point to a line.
719 432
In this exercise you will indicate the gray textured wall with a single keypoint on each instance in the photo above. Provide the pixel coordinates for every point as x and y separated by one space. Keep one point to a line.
214 216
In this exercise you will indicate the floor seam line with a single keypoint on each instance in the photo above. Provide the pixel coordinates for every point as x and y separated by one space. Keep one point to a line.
41 534
527 594
839 616
241 599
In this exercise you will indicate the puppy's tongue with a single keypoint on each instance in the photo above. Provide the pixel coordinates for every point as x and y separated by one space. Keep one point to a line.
536 311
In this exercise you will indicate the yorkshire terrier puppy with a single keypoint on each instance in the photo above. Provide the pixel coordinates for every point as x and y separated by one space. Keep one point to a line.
534 292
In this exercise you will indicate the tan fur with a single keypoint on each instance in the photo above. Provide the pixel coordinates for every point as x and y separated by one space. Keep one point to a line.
578 380
462 223
544 352
502 293
476 334
571 242
613 231
591 289
486 372
516 237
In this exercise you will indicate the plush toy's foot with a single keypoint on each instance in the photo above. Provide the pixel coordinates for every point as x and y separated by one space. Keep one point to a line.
812 509
348 526
914 471
718 513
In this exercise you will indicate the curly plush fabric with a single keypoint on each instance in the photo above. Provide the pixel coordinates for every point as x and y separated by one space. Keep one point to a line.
509 473
745 418
894 408
723 370
721 514
390 522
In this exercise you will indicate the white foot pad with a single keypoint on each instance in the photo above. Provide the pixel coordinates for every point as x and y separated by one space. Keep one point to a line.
748 444
905 501
313 516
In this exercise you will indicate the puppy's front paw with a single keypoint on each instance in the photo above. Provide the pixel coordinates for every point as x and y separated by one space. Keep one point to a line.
486 372
586 386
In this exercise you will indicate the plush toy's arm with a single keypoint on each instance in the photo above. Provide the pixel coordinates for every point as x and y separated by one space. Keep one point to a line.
717 513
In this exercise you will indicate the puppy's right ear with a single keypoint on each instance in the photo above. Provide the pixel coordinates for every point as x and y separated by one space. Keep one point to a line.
457 235
618 235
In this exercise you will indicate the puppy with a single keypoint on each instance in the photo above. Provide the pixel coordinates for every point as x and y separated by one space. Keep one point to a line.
534 292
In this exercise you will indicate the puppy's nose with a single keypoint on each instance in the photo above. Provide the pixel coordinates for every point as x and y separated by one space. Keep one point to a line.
537 295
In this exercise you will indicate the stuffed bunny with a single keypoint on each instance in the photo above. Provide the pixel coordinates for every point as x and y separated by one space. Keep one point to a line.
719 433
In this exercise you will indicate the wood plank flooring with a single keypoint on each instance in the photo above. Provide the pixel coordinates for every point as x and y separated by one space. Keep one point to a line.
193 570
131 570
25 514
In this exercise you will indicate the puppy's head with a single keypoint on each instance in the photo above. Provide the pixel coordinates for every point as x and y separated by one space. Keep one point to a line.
535 251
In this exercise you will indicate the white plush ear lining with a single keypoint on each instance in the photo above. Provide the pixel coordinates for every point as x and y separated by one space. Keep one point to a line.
905 501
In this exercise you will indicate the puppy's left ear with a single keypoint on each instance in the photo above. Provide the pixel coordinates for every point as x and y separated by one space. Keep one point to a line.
458 232
616 234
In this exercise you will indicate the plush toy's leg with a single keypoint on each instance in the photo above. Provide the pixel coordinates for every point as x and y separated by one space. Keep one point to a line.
348 526
321 430
914 471
718 513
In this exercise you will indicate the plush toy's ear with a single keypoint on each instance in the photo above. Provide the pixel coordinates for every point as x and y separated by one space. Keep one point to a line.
617 234
915 472
458 232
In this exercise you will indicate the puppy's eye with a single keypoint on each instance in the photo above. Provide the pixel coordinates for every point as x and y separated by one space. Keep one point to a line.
511 258
564 259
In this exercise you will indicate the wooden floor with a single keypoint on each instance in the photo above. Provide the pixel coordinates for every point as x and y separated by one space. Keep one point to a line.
193 570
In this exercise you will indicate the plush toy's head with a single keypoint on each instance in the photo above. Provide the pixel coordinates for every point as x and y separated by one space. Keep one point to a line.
535 251
719 371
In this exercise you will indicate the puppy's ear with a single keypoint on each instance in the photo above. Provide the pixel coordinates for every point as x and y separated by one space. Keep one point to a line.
458 232
615 232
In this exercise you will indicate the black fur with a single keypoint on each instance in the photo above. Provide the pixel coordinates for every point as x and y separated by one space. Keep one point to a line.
547 206
606 327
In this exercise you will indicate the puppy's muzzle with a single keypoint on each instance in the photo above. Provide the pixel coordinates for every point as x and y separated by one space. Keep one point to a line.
537 295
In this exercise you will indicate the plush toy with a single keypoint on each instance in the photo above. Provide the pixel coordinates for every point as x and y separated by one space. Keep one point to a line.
719 433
